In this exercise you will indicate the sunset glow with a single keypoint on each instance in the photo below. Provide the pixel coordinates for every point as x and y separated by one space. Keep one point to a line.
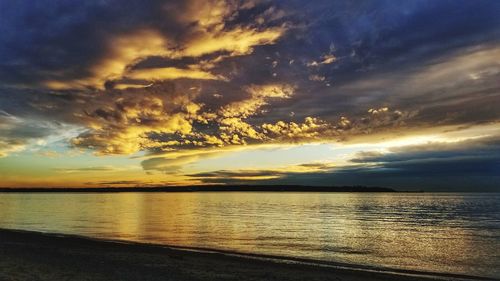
250 92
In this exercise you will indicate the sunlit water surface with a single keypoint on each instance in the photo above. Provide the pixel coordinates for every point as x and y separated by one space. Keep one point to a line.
441 232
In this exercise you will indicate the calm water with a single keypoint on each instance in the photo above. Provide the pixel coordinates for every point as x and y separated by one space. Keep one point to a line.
457 233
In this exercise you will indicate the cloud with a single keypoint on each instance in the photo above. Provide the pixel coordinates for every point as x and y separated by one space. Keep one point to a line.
205 45
115 42
235 176
317 78
164 118
168 73
8 146
255 176
259 96
234 129
124 183
173 162
325 59
123 50
85 169
471 148
311 128
121 122
127 50
452 89
49 153
374 122
471 164
17 134
236 42
160 118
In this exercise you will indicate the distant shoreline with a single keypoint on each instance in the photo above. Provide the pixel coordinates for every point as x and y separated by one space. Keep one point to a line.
51 256
205 188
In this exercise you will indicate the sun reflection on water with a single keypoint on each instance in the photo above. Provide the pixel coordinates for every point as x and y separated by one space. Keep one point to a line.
456 233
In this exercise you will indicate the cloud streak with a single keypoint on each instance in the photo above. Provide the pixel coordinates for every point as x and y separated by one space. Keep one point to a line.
430 166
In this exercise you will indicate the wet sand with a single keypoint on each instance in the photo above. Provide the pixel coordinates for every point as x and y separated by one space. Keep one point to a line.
36 256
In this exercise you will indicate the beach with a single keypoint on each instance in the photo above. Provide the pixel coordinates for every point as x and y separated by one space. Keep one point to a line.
39 256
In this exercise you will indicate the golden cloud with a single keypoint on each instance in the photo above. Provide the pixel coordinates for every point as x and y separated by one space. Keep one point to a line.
205 33
311 128
234 130
237 42
326 59
123 50
169 73
121 124
8 146
259 96
150 119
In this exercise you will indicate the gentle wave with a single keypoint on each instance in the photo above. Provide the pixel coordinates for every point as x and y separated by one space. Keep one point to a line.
450 233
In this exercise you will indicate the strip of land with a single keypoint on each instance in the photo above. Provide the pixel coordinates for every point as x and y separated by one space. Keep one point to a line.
36 256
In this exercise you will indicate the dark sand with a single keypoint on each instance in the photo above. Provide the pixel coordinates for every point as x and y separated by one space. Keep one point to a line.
35 256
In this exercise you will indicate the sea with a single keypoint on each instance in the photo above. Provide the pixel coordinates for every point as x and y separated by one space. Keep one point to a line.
455 233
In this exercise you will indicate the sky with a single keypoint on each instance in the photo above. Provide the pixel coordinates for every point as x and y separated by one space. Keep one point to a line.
402 94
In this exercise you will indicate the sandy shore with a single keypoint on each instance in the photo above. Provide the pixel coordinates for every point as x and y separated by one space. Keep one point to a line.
36 256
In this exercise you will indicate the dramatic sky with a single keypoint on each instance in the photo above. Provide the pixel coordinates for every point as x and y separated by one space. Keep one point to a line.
402 94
